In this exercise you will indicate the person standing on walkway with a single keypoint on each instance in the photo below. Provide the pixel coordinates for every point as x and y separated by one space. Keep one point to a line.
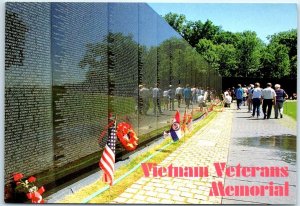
171 94
156 96
227 100
269 98
187 93
249 98
245 94
239 96
256 99
179 94
280 98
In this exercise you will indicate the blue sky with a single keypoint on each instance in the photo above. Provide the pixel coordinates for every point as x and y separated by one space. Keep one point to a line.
263 18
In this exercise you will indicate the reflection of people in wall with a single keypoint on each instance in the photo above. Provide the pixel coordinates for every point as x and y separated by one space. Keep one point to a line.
201 103
156 97
194 91
171 95
187 93
139 100
166 99
145 95
179 94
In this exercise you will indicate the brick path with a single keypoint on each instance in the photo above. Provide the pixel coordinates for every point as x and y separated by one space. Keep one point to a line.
207 146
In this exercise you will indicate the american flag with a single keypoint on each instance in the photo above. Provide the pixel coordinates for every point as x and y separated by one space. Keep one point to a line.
107 161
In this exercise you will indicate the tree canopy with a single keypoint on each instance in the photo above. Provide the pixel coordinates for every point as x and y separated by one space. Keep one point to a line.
240 54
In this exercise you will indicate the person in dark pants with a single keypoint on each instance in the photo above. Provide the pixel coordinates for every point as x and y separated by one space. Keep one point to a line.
280 98
269 98
256 99
156 96
239 95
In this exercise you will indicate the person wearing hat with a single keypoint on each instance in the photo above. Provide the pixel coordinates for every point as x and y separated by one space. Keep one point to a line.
171 94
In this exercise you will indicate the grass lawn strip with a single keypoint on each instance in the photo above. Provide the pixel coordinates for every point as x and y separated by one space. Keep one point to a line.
290 109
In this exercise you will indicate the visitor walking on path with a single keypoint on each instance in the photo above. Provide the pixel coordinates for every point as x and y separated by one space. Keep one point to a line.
280 98
239 96
256 99
249 99
269 98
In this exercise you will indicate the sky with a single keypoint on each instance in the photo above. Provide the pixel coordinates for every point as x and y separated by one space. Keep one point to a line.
263 18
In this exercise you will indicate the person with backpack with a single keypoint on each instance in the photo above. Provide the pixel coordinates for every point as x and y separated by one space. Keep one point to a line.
280 98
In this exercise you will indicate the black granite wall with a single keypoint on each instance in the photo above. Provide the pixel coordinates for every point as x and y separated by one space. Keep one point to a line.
68 65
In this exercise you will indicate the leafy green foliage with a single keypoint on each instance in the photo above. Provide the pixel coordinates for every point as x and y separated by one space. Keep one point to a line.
240 54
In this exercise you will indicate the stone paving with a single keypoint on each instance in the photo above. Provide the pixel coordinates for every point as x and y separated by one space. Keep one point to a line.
262 143
207 146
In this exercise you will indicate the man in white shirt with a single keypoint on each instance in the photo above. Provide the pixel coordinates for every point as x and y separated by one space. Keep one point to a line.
256 99
269 98
227 100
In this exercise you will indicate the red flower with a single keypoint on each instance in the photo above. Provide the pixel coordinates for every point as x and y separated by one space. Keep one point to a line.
41 190
18 176
31 179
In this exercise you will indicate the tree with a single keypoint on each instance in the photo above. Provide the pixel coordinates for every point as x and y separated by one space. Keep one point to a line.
192 32
275 61
176 21
289 40
209 52
248 47
227 60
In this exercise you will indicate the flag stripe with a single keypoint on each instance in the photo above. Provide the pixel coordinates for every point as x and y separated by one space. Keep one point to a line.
107 161
108 158
105 165
109 152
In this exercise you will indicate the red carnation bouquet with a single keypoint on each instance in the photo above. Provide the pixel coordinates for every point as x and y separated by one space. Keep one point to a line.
28 186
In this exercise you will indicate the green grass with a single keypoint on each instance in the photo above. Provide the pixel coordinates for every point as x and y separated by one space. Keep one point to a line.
290 109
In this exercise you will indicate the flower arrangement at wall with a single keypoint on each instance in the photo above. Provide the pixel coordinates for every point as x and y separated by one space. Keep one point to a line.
28 187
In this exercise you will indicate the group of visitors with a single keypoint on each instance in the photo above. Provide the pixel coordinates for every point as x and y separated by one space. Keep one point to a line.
165 99
254 96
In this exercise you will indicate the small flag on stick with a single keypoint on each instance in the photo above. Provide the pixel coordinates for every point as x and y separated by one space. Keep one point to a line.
175 130
107 161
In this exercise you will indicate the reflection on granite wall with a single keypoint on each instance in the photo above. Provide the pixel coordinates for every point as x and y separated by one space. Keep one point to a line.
68 65
28 88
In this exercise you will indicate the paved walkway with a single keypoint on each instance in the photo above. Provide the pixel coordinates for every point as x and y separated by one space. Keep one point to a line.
259 142
207 146
233 137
